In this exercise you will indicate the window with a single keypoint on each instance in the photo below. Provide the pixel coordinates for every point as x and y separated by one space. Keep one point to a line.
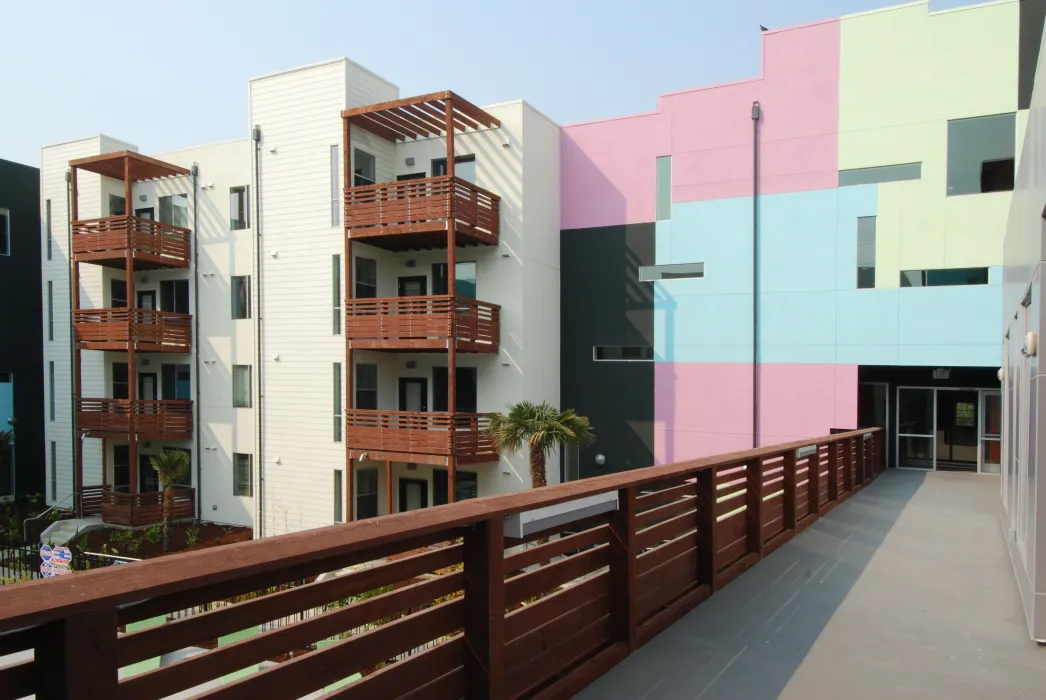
121 468
117 294
242 475
54 471
175 381
174 210
866 252
5 232
464 167
464 389
337 402
120 381
239 207
364 169
882 173
335 185
174 296
466 486
981 154
47 225
366 493
366 278
241 297
623 353
367 387
944 278
50 310
336 292
678 271
241 386
117 205
664 188
339 517
50 389
464 279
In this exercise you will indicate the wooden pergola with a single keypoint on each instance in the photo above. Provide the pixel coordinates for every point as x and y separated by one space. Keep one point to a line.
435 115
128 166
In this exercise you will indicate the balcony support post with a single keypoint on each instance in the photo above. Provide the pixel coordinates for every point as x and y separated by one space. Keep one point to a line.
75 658
78 457
483 558
132 374
388 487
624 611
452 345
349 374
754 501
788 497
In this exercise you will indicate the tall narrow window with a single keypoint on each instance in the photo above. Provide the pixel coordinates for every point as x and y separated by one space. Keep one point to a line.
239 207
664 188
174 296
241 296
242 475
337 402
241 386
336 292
364 169
47 225
5 232
117 294
338 515
54 471
175 381
464 279
50 310
367 387
866 252
366 493
174 210
335 185
50 389
366 278
121 383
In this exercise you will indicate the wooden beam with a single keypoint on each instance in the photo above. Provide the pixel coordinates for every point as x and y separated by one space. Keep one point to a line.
483 559
394 104
476 113
754 503
75 658
435 123
405 131
375 128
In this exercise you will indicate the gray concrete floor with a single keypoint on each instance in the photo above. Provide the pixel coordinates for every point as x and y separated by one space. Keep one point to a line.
904 591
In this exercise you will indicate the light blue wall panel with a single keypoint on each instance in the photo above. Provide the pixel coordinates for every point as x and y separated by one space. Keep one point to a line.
853 202
717 233
711 328
797 235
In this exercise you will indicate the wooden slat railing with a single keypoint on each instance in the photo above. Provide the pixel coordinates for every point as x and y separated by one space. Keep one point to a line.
422 322
446 606
431 433
159 330
170 419
145 508
414 206
91 498
166 243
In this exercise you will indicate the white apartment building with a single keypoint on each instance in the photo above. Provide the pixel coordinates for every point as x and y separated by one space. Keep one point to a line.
233 338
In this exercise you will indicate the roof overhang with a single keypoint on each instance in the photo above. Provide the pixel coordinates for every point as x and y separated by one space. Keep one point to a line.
420 117
139 167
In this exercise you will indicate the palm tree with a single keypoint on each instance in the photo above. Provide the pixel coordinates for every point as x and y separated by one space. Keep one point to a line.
543 428
171 467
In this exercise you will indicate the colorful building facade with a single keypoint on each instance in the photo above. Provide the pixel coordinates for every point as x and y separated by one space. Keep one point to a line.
816 248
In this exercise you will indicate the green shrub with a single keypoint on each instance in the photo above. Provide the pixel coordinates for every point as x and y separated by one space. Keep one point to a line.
154 533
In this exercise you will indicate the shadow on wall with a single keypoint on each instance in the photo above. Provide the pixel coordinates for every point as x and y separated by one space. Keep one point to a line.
586 182
747 641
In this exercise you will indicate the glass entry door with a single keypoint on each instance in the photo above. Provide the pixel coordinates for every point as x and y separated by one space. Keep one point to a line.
991 432
915 428
957 429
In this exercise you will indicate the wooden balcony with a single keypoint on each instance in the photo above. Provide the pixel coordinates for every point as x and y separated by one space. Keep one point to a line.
464 611
426 438
422 323
145 508
412 214
149 331
171 420
152 244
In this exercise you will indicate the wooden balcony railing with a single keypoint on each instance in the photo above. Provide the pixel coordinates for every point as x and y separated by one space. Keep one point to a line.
91 500
421 206
462 611
144 508
422 323
428 438
170 419
151 331
153 244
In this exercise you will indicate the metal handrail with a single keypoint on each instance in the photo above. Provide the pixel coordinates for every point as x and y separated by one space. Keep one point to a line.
25 535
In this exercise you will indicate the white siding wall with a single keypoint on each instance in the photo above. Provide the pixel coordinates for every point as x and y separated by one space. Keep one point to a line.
299 116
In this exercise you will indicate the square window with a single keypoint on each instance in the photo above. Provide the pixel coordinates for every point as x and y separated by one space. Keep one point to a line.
981 153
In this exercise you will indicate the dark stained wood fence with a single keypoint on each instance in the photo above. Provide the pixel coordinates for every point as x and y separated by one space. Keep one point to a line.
168 419
151 331
422 323
411 436
455 609
145 508
98 239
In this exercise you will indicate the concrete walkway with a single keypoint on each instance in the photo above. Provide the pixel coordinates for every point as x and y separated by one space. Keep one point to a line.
904 591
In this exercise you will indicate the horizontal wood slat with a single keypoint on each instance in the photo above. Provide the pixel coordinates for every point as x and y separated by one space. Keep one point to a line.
150 331
402 677
113 236
171 419
417 323
139 508
424 433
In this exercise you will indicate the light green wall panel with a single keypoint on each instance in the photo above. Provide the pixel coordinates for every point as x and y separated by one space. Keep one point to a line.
904 72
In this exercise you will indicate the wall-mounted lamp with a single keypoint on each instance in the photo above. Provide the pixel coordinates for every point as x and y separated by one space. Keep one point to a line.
276 357
601 459
272 150
277 461
143 198
1031 344
274 254
409 161
207 274
1001 374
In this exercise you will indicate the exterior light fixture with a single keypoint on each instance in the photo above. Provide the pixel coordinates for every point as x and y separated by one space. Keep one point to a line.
1031 344
601 459
409 161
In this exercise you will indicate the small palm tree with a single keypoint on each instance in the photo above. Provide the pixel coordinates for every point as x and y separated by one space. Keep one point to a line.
543 428
171 467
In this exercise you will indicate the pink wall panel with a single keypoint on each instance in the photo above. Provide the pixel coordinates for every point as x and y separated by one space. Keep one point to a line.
704 409
608 167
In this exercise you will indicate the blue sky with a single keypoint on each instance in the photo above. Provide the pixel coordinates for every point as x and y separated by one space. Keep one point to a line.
167 75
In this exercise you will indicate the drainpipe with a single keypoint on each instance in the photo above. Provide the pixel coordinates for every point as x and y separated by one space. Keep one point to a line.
756 113
196 333
259 526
